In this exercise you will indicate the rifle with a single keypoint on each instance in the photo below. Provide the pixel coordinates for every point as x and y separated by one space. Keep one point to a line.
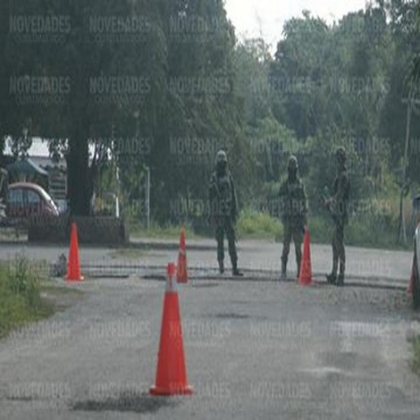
324 197
328 203
325 200
214 193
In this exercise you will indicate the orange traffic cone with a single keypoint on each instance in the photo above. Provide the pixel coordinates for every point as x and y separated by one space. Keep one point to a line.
182 271
305 275
73 264
411 284
171 375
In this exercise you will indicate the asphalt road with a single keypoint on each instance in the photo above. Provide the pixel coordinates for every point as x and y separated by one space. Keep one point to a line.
261 350
254 349
253 255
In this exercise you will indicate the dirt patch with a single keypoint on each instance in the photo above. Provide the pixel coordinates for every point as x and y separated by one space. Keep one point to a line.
61 298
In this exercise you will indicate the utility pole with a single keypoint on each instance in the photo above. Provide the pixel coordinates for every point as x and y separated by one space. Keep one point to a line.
117 199
410 101
147 198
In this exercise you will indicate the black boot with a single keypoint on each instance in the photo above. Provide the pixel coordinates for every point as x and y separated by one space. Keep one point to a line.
340 278
283 275
331 278
221 267
235 270
298 269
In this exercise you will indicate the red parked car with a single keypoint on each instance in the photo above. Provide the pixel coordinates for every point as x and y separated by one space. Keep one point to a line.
415 287
25 200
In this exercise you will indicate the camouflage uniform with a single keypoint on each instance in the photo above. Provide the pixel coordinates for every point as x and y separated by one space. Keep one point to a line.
294 210
337 205
224 211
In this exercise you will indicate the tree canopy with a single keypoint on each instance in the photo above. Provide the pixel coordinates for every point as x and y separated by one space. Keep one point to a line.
162 85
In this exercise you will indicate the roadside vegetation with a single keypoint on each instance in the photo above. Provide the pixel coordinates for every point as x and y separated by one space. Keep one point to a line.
22 290
375 230
324 86
157 231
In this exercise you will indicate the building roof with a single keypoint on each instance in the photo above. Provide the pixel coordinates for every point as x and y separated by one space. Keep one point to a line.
40 154
26 166
46 162
39 148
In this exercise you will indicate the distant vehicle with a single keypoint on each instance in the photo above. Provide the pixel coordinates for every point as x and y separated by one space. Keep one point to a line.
25 200
416 257
62 206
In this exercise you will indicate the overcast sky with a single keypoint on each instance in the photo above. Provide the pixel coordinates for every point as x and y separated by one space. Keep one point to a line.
252 18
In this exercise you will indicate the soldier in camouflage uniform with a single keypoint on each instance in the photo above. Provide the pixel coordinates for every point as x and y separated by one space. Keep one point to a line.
224 211
337 206
294 210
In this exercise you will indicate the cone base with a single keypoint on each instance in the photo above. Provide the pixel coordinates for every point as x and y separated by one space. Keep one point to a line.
410 284
182 274
305 282
70 278
409 290
156 390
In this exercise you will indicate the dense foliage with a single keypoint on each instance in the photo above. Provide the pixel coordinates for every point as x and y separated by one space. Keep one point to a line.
170 85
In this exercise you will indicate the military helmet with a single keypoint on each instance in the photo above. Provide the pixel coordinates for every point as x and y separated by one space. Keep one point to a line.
221 156
340 153
292 163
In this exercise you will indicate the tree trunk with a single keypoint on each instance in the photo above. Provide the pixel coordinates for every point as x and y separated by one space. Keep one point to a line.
78 173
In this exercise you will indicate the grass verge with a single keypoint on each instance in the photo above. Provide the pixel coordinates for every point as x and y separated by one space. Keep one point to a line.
367 232
258 225
160 232
25 297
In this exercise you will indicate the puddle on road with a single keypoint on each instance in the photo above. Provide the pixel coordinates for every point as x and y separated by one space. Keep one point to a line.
129 402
